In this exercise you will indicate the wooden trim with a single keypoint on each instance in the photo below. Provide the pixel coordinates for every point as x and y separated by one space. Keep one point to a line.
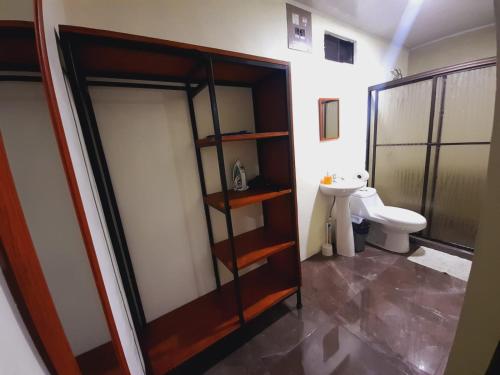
25 277
16 24
162 43
18 51
321 103
72 183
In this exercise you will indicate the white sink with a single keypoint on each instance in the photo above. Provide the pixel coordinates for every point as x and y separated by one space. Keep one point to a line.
342 189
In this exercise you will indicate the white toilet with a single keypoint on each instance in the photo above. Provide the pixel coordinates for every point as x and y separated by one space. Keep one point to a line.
389 226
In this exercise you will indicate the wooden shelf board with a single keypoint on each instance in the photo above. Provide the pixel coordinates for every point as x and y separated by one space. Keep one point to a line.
179 335
262 289
244 198
139 57
99 361
251 247
205 142
18 52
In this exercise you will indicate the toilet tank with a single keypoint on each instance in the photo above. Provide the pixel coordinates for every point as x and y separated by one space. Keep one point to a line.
364 201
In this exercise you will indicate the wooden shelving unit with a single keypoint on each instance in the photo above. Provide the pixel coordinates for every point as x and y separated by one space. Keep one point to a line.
243 198
167 346
251 247
210 141
179 335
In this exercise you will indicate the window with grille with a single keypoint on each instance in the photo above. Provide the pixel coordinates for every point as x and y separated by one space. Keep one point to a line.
340 50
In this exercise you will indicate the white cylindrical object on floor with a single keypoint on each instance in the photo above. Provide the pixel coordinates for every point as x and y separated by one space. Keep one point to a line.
327 250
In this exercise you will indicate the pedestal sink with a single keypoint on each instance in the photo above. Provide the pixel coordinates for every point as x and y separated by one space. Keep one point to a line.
342 189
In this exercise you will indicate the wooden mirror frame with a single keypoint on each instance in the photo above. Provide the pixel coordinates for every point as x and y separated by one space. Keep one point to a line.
321 105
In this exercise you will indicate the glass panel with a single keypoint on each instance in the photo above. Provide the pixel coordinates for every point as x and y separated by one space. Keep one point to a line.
459 187
399 175
40 181
332 119
403 113
430 184
437 108
469 106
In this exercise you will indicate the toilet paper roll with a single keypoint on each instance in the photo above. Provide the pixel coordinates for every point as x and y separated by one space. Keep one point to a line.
362 175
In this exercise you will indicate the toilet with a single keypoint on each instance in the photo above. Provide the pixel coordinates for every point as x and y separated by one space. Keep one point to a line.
390 227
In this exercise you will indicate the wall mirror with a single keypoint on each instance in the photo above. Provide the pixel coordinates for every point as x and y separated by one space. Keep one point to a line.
57 306
328 118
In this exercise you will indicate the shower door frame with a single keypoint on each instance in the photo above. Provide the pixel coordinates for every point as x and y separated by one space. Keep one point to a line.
433 75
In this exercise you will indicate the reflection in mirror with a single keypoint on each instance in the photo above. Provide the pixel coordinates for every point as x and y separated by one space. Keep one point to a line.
40 182
328 119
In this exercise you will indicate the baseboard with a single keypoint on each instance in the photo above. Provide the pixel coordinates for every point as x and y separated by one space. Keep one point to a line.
442 247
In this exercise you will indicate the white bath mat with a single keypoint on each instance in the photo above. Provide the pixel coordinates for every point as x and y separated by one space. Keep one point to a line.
443 262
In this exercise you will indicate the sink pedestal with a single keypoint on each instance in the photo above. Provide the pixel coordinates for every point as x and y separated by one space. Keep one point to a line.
343 231
342 189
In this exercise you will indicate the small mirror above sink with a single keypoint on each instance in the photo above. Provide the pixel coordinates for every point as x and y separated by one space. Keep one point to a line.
328 119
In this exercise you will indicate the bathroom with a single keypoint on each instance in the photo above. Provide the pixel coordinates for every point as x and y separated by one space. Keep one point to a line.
139 228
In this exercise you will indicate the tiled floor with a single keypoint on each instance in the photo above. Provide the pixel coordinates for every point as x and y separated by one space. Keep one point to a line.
376 313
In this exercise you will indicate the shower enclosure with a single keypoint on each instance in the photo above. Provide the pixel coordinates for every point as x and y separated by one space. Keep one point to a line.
428 142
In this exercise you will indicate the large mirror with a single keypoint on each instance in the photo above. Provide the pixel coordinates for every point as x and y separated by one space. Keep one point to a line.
328 118
58 253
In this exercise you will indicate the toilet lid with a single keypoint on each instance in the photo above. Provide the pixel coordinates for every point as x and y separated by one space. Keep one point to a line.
365 192
401 215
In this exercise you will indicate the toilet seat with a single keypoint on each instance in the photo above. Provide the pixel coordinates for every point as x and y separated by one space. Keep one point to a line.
401 215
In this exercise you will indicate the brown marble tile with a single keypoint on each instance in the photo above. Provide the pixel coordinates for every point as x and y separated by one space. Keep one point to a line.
376 313
378 255
368 264
290 330
327 286
242 361
393 324
442 367
438 292
334 350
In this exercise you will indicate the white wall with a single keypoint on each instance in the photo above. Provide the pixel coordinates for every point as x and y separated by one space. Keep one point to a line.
472 45
41 184
148 144
259 27
478 331
21 10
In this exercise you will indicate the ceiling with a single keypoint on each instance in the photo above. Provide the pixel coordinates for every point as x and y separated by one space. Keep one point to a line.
435 18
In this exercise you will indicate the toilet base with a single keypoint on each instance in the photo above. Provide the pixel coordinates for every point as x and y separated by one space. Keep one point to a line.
389 238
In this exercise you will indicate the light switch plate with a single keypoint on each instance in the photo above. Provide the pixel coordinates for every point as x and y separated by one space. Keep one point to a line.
299 28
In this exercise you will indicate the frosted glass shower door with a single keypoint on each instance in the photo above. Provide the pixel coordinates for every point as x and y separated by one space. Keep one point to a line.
401 144
459 186
462 160
429 147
